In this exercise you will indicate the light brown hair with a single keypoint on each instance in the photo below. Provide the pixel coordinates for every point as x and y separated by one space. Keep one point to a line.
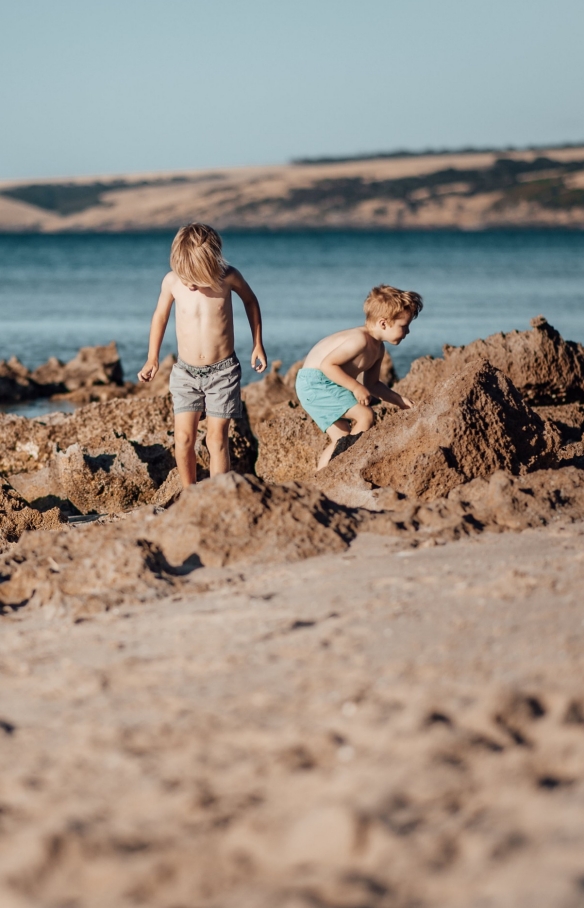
196 256
389 302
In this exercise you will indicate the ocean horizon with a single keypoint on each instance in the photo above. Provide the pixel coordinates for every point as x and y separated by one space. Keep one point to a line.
60 292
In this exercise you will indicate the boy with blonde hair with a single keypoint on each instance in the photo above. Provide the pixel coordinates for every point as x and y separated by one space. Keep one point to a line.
207 374
327 385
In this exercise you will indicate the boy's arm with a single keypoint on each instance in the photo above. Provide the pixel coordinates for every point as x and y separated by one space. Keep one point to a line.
157 329
332 365
379 389
254 317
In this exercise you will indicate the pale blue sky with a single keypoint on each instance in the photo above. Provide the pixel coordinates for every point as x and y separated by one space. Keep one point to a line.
119 86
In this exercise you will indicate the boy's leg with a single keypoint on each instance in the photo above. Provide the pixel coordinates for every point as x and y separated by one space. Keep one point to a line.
337 430
185 435
218 444
363 418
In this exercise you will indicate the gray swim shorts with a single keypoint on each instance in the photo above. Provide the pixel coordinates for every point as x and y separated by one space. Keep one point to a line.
214 389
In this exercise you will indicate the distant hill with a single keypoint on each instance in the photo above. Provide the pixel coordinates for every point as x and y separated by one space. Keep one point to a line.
468 190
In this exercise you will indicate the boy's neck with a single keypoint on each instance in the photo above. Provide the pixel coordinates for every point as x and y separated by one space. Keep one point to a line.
373 331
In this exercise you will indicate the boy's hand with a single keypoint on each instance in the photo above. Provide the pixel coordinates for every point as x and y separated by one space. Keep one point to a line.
406 403
362 394
259 353
148 371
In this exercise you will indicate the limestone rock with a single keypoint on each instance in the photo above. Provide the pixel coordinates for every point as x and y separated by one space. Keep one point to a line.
476 424
227 520
107 457
90 366
16 517
16 383
544 367
290 444
262 396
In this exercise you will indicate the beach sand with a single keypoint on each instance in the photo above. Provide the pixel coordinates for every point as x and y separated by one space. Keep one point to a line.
380 727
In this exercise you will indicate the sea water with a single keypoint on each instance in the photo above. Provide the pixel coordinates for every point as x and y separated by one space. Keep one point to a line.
59 293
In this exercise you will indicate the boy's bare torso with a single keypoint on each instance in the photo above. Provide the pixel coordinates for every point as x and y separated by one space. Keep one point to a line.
369 350
204 321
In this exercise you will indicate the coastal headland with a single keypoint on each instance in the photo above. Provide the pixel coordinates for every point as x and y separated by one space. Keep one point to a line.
467 190
284 689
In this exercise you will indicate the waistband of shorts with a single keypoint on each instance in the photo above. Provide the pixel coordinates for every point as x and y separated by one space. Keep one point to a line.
207 370
311 374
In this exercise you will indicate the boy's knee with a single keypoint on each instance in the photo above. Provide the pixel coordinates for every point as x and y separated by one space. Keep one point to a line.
183 438
366 418
217 439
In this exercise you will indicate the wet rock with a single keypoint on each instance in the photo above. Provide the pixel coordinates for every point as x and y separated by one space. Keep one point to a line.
476 424
227 520
90 366
545 369
16 517
16 383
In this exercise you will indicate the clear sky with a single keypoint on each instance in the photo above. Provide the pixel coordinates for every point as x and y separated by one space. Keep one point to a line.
116 86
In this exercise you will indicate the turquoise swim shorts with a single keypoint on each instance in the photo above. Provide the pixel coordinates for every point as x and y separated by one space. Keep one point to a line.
322 398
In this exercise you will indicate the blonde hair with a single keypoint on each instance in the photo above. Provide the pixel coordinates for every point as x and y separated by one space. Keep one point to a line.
389 302
196 256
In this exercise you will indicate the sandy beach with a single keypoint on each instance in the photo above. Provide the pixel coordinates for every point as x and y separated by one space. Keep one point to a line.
385 726
284 689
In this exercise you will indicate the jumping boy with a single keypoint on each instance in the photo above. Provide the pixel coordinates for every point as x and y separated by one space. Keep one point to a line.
207 374
327 385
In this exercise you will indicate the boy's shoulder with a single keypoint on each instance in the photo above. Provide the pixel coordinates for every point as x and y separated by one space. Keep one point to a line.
361 335
170 280
232 276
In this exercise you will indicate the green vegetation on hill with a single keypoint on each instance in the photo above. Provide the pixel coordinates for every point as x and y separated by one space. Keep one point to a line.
71 198
517 180
428 152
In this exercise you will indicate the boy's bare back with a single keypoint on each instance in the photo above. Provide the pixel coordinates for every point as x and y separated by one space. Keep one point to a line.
358 350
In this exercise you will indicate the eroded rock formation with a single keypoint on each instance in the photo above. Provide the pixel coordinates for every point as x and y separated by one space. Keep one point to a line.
105 457
230 519
545 368
477 423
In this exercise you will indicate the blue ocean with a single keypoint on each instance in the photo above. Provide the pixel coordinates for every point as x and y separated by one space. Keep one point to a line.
58 293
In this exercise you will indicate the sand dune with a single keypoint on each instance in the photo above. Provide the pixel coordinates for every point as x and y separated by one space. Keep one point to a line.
469 191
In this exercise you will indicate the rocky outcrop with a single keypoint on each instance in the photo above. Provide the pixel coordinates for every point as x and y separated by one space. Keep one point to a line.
273 389
227 520
90 366
16 383
97 368
233 520
544 367
476 424
94 375
16 517
105 458
289 443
